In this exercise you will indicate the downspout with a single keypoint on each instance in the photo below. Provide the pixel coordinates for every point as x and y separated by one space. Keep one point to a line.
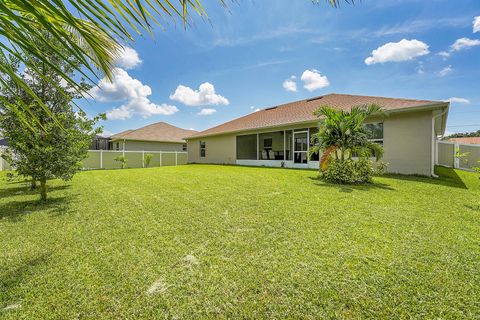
434 141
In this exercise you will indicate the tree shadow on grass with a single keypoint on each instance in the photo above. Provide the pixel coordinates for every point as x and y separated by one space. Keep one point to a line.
25 190
15 210
448 177
352 187
13 278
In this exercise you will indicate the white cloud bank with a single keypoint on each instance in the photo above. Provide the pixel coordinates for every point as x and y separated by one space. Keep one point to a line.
128 58
398 51
207 112
476 24
313 80
290 84
131 91
458 100
205 95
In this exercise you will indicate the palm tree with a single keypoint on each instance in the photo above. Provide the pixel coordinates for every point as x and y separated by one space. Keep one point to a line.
92 30
343 133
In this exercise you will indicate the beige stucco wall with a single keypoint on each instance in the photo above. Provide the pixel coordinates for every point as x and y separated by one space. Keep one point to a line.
131 145
408 142
219 150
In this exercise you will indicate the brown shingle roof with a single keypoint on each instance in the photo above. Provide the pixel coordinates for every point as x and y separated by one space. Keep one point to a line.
302 111
468 140
160 131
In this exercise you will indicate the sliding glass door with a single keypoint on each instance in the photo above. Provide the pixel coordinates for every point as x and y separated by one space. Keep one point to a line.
300 147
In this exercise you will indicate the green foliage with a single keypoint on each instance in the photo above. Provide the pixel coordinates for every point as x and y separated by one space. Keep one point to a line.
462 135
55 146
349 171
461 156
343 134
345 130
148 159
122 160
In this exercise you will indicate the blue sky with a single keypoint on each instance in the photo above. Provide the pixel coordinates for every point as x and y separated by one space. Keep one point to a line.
244 54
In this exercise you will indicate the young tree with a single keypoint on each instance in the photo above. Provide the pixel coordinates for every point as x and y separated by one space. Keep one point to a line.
54 146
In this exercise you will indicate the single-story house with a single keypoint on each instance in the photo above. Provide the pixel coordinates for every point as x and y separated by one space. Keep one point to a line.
280 135
100 143
466 140
158 136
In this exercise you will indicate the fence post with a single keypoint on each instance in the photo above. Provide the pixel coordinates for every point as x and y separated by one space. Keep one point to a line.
101 159
176 157
456 161
160 158
143 158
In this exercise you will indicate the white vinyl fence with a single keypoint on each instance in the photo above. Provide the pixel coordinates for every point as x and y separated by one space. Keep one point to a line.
447 155
105 159
3 164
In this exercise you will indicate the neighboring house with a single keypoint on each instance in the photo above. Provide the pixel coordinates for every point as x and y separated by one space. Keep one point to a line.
3 143
466 140
100 143
158 136
280 135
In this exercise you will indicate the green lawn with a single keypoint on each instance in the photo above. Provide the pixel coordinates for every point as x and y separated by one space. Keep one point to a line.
236 242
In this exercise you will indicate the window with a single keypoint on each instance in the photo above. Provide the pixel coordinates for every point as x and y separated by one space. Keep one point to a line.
375 132
247 147
202 149
117 146
184 147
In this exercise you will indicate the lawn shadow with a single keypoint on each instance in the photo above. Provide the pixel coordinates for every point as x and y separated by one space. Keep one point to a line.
15 210
12 279
25 190
447 177
352 187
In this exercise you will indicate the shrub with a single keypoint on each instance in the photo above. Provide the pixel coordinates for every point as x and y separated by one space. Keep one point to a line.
352 171
122 160
148 159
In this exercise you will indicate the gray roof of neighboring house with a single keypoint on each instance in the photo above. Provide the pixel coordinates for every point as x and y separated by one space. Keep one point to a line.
160 131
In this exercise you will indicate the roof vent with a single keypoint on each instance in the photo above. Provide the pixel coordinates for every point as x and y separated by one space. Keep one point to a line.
315 98
271 108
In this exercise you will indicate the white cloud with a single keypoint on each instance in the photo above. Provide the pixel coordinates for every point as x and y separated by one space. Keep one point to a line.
464 43
459 100
206 112
445 71
313 80
398 51
128 58
476 24
205 95
131 91
290 84
444 54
